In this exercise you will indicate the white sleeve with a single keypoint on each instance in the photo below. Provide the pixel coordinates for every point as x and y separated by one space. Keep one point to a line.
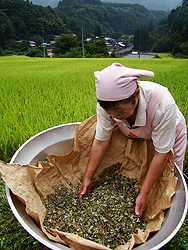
164 128
105 125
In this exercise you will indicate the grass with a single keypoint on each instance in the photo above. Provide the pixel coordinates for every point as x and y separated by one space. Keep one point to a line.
38 93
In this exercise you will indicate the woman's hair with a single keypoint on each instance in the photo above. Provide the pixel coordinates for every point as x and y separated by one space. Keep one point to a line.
112 104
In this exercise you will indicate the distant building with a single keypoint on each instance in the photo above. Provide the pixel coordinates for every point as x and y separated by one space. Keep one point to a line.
88 39
108 38
52 43
121 44
50 54
32 44
142 55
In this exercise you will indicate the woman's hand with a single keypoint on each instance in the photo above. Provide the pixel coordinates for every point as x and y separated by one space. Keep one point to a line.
140 204
86 187
98 151
156 167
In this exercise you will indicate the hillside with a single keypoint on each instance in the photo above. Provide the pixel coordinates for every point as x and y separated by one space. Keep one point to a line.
173 32
111 17
165 5
22 20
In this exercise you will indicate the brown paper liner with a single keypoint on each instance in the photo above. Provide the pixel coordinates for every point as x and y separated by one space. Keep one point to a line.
28 183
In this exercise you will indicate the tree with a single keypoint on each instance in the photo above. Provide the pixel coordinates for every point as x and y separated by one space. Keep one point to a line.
136 40
98 31
25 45
1 51
176 50
163 45
37 52
184 33
74 53
150 26
6 29
64 43
38 39
97 48
184 48
141 39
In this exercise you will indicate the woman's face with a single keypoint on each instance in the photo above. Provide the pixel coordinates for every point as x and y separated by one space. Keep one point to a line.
124 110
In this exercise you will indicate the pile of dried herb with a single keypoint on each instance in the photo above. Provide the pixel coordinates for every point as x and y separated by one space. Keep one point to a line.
106 215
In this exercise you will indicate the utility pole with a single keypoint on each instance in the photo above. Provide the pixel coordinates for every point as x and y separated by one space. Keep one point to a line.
139 43
82 42
43 48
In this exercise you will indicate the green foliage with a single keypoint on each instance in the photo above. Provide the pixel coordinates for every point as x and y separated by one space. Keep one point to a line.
113 55
73 53
98 49
68 46
141 39
6 29
184 47
150 26
121 18
23 46
176 49
38 39
20 20
1 51
98 31
173 32
163 45
38 52
64 44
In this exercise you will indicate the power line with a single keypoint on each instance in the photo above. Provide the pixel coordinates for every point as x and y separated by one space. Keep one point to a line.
173 9
179 4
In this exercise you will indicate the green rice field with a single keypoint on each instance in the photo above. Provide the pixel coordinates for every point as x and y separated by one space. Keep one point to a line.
38 93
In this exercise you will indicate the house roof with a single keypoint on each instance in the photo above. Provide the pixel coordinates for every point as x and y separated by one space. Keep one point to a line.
142 55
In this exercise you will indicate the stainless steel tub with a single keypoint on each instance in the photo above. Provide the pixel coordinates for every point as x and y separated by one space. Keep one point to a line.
59 140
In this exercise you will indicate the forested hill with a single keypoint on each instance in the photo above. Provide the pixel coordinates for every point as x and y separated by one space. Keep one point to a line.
111 17
173 31
21 19
165 5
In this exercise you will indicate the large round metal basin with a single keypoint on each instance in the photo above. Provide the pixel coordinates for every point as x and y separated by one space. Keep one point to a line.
59 141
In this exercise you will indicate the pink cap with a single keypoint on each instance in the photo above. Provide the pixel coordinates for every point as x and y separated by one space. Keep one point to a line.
117 82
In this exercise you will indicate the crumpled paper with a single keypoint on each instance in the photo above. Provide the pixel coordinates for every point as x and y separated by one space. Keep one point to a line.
30 183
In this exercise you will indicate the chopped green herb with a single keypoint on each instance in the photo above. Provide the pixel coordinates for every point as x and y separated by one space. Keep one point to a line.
105 215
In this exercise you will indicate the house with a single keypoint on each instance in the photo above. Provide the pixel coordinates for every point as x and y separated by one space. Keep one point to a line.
142 55
88 40
32 44
50 54
52 42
